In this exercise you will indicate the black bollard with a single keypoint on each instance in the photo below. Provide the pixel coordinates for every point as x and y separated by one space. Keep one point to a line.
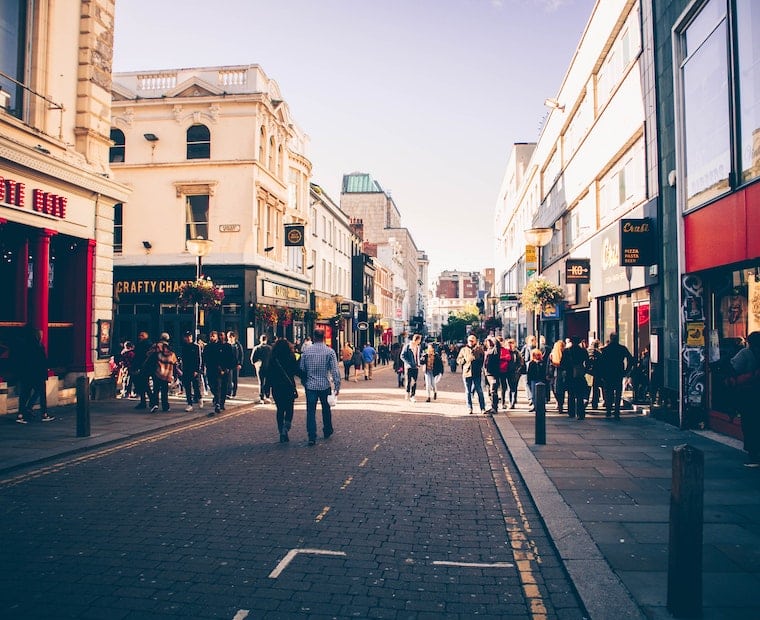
685 549
539 402
83 407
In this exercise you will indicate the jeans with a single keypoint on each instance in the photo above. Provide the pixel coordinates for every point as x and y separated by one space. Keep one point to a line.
191 383
513 380
284 401
411 381
31 390
219 383
474 384
493 391
312 396
612 395
368 366
430 383
347 369
160 389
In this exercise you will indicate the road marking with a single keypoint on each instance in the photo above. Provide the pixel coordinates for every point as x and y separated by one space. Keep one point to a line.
241 614
346 483
283 564
322 514
375 447
364 462
475 564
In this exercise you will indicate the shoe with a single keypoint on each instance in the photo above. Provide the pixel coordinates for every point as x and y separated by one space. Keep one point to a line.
200 403
189 408
164 409
469 411
47 418
221 407
268 401
328 435
489 412
141 406
531 409
435 395
211 414
366 378
154 408
413 399
752 464
512 406
428 399
312 442
284 437
21 420
261 401
217 409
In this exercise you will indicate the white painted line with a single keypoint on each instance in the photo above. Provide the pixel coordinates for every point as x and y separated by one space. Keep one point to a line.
475 564
241 614
283 564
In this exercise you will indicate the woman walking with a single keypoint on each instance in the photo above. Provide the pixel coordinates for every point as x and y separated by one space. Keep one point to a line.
283 369
433 364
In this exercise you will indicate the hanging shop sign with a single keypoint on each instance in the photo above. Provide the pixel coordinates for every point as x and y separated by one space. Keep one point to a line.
362 326
13 193
637 242
578 270
294 234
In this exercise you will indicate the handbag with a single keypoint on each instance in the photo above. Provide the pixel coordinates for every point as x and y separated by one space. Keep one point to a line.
287 376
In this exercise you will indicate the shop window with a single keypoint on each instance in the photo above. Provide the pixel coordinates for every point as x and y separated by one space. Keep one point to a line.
196 217
118 227
198 142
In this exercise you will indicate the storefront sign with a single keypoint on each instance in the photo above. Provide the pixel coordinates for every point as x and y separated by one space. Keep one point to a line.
280 291
531 261
345 308
13 193
551 312
637 242
294 234
148 287
608 277
578 270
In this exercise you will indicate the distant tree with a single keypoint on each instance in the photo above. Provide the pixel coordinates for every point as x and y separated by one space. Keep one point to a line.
457 328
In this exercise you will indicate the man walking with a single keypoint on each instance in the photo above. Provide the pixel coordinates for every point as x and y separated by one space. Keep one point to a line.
318 364
161 365
232 340
191 371
471 359
369 356
219 358
260 360
139 373
615 361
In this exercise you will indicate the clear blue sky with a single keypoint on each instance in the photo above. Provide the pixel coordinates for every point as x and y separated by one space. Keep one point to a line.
425 95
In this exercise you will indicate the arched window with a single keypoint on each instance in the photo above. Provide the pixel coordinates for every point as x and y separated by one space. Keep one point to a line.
272 154
118 227
262 145
198 142
116 152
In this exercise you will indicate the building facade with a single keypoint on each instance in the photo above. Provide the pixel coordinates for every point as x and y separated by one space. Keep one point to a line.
211 153
57 194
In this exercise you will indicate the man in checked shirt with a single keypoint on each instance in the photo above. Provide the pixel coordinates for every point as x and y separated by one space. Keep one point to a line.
318 364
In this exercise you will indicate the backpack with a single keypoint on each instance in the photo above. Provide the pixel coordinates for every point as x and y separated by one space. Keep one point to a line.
505 357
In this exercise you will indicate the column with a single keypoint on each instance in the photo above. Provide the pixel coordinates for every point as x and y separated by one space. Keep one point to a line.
41 283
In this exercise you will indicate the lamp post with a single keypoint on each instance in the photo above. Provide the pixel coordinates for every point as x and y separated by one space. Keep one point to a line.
198 247
538 238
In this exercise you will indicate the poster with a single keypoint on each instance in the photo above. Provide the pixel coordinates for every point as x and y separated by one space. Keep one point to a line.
104 339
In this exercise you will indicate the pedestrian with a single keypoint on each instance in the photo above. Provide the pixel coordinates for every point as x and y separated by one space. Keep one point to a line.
232 340
318 365
433 364
369 357
491 363
346 353
745 385
160 366
615 362
574 364
515 371
141 378
596 380
307 342
640 377
411 356
535 374
260 360
283 370
358 360
470 358
451 357
219 358
124 380
398 363
190 353
32 371
505 361
556 375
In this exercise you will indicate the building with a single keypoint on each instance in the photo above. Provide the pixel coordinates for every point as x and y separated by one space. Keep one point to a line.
211 153
364 199
586 176
57 194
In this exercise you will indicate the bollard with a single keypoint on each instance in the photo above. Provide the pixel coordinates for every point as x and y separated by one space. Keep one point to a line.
83 407
539 402
685 548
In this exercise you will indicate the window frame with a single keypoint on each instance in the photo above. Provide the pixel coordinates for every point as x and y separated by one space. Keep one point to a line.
198 147
190 223
118 147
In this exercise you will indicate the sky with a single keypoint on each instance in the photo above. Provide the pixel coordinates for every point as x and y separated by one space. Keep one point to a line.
427 96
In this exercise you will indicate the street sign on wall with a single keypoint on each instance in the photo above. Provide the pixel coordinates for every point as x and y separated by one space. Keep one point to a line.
362 326
578 270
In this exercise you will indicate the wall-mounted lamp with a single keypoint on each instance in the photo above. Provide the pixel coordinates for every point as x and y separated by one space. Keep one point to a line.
554 104
147 245
150 137
269 249
42 149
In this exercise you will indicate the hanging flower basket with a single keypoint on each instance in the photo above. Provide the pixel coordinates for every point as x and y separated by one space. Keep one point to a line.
202 292
284 316
538 292
298 314
266 313
310 315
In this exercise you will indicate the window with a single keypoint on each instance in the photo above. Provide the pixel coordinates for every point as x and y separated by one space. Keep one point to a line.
198 142
118 227
196 217
116 152
262 145
12 59
748 43
624 50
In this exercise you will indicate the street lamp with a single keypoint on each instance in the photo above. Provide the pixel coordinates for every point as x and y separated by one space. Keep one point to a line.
538 237
198 247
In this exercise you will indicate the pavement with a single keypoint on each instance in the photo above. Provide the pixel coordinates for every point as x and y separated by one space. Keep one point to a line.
602 487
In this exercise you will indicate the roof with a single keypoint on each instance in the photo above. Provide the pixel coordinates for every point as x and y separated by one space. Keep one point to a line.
360 183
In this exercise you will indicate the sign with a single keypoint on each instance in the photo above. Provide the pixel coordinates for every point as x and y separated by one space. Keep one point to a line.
280 291
531 261
578 270
551 312
13 193
509 297
229 228
345 308
104 338
362 326
637 242
294 235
